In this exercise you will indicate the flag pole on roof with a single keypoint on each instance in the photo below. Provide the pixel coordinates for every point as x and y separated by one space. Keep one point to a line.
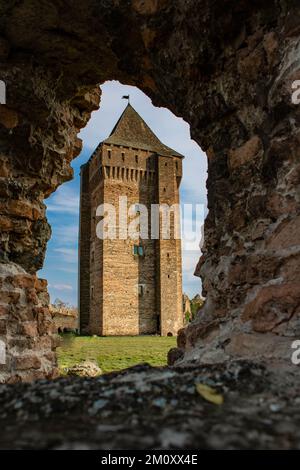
126 97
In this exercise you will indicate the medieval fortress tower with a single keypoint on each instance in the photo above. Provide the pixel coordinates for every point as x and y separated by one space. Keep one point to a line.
129 286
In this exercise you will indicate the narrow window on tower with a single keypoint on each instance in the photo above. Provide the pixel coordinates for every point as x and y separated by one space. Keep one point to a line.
109 153
138 250
136 159
123 157
141 290
141 251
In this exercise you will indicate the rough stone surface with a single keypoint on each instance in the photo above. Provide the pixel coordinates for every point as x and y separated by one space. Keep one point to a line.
85 369
227 69
26 326
156 408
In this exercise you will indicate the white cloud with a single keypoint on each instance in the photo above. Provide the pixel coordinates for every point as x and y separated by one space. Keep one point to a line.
64 200
61 287
68 255
66 234
67 270
189 261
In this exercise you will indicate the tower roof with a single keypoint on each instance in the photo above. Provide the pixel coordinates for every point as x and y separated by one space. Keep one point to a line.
132 131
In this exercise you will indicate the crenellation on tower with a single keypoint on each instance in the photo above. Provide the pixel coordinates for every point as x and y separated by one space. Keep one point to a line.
129 287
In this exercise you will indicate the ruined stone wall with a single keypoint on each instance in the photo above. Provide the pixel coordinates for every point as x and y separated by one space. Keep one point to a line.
227 69
38 141
186 308
250 261
65 323
26 327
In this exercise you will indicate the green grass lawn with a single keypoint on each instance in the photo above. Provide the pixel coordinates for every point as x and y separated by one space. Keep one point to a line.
114 352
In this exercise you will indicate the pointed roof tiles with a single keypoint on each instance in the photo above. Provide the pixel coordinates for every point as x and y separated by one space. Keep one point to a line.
132 131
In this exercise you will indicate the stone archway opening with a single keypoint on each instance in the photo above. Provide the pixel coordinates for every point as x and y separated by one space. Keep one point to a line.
61 262
232 84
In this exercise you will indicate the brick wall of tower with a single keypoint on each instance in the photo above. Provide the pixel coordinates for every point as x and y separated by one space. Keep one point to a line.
115 273
170 270
96 246
178 323
130 173
84 250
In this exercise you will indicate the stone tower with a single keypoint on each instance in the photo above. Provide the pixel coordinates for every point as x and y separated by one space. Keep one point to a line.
129 287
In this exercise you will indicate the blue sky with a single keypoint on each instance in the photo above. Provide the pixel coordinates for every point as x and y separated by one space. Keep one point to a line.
61 263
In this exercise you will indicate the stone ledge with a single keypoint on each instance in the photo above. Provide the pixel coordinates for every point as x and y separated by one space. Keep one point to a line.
156 408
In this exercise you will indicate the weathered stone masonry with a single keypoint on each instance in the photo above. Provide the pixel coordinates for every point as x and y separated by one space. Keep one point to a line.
227 69
122 293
